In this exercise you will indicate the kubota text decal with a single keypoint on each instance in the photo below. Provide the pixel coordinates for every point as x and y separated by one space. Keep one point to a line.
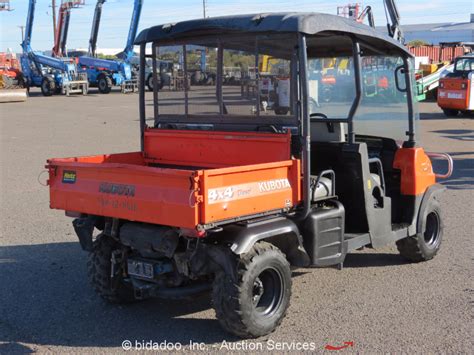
237 192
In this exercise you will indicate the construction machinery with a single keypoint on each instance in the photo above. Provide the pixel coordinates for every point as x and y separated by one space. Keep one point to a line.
52 75
456 89
5 5
62 28
229 198
357 13
106 73
12 83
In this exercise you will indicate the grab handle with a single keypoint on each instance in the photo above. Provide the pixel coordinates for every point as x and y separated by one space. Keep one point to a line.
443 156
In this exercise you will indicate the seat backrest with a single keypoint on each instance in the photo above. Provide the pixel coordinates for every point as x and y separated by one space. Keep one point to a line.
328 132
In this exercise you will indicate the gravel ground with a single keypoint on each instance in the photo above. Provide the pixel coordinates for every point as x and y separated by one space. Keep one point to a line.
378 302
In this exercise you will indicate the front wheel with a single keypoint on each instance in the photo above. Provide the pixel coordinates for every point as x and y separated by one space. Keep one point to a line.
256 303
424 246
105 84
48 86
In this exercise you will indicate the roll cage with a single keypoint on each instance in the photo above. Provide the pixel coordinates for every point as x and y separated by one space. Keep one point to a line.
305 34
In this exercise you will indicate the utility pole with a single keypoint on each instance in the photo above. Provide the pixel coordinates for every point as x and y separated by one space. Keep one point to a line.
204 8
22 28
53 5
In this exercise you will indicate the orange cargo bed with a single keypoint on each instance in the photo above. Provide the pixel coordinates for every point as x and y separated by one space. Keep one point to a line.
182 179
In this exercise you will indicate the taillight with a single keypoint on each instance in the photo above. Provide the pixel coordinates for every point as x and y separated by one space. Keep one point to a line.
464 86
441 84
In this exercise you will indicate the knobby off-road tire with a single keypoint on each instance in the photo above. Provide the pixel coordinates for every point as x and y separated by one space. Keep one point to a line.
257 303
424 246
149 83
48 86
99 268
104 84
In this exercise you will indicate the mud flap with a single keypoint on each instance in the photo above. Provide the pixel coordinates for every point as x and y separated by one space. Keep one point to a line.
84 228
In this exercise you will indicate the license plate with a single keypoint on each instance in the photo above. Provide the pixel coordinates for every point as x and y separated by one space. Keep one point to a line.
140 269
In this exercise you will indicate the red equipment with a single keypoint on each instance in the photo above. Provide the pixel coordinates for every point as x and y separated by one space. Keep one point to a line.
60 37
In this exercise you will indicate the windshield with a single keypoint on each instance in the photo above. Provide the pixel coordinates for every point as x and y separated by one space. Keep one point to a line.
383 110
465 65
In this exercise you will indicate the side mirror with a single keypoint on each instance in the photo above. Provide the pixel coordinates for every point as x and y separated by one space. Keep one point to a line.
400 77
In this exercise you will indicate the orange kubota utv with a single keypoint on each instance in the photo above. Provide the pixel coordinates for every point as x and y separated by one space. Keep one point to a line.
226 194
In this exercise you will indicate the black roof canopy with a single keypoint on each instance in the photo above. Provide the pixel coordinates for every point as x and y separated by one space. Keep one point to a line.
235 32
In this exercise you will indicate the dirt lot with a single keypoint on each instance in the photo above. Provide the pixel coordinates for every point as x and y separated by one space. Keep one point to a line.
379 302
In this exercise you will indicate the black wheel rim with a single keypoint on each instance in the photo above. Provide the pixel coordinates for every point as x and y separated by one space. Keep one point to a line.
432 230
267 292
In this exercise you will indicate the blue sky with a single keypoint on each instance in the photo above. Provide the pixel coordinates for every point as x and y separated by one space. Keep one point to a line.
116 16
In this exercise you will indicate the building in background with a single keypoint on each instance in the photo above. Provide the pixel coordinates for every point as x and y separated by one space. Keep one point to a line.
436 33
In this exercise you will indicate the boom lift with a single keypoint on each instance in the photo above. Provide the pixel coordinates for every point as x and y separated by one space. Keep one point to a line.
62 28
50 74
12 85
353 11
394 29
105 73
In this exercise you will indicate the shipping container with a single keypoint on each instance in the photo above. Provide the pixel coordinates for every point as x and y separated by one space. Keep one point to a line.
436 53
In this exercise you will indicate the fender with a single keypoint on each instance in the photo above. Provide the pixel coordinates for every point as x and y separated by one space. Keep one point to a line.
84 227
281 232
431 193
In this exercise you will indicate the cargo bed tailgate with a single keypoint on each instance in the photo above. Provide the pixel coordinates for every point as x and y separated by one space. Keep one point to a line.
121 186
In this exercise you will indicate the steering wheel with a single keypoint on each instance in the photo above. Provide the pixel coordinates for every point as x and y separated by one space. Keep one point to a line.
318 115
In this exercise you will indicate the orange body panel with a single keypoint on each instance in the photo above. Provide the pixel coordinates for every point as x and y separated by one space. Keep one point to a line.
452 95
192 190
121 186
247 190
416 170
211 149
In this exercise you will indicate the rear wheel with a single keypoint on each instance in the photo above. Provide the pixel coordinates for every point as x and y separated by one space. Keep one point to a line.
104 84
256 303
450 113
424 246
48 86
99 267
